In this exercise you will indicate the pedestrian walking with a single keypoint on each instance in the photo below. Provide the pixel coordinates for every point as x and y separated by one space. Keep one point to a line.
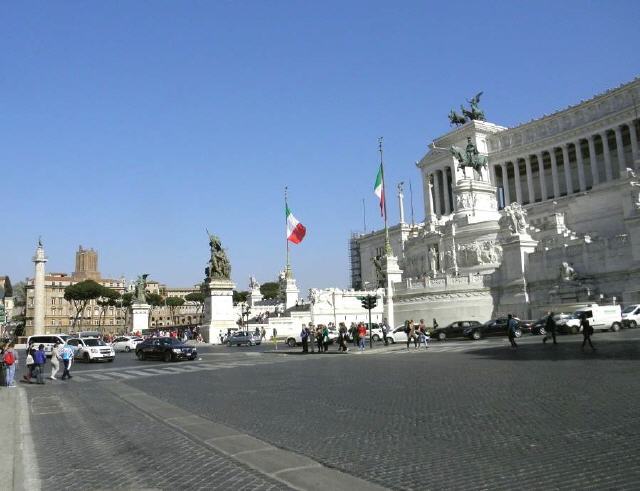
67 358
550 328
55 360
354 334
319 338
362 336
385 330
40 358
423 336
325 338
10 359
435 323
29 363
587 331
263 334
342 337
304 336
512 325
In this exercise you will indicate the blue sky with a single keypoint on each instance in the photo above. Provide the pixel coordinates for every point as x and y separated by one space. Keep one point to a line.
130 127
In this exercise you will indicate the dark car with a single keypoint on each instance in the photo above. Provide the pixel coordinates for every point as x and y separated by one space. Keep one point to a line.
526 326
453 330
166 349
243 337
540 326
495 327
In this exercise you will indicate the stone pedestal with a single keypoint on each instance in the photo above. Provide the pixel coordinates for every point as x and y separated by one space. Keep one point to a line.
219 316
393 274
475 202
515 258
140 317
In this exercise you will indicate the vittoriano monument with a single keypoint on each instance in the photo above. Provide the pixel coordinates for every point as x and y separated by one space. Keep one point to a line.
218 303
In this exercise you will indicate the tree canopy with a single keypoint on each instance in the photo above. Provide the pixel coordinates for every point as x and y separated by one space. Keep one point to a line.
270 289
80 294
239 297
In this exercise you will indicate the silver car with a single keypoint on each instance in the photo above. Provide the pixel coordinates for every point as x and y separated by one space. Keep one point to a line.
243 337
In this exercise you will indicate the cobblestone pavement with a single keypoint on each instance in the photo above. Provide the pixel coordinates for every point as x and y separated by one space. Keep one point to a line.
540 417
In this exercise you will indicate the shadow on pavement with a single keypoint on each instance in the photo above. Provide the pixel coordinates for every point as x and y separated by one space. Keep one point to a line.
605 350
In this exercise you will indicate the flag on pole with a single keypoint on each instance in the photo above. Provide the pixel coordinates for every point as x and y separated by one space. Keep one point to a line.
295 230
378 189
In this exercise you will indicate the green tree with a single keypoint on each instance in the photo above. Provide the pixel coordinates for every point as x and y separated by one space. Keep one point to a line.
239 297
80 294
270 289
196 297
106 299
20 294
173 303
154 300
124 304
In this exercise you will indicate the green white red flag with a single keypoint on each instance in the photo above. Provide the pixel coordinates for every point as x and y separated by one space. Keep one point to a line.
378 189
295 230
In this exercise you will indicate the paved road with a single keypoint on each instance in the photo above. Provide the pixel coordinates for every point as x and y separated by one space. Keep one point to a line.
461 415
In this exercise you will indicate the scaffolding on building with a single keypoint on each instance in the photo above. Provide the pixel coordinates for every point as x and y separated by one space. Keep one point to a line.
355 266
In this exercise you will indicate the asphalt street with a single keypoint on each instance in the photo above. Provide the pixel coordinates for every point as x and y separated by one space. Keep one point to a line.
460 415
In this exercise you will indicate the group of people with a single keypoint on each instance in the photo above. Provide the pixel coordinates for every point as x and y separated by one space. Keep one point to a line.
319 335
551 329
35 363
185 334
419 334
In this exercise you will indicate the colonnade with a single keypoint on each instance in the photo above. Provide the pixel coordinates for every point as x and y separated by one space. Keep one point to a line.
574 166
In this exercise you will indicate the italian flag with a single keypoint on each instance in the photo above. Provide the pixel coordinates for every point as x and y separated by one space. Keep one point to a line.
295 230
378 189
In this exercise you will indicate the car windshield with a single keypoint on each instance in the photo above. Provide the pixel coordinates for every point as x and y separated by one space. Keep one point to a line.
65 337
94 342
630 309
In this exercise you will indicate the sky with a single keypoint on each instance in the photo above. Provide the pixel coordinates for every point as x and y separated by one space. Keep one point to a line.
132 127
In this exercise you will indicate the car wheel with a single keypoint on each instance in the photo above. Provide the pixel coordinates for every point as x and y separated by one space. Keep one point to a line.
518 333
615 327
376 337
140 355
542 331
476 335
249 343
291 343
166 357
110 360
127 349
442 336
633 324
86 358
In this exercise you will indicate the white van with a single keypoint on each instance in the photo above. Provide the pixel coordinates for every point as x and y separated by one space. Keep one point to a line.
631 316
603 317
48 340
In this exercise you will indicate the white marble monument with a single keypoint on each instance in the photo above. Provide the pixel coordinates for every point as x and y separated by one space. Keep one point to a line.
39 293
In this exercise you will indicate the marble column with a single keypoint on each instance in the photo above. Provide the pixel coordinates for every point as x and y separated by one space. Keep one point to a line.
38 291
542 177
633 134
622 165
505 184
554 173
593 161
428 198
516 177
527 166
445 185
607 156
567 168
492 175
581 179
436 189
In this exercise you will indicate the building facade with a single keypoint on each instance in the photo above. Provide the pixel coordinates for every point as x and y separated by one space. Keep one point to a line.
550 222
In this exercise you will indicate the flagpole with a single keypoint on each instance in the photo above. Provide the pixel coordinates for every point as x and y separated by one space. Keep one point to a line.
387 243
287 270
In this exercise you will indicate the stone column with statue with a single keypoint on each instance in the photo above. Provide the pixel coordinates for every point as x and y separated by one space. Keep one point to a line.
139 307
219 316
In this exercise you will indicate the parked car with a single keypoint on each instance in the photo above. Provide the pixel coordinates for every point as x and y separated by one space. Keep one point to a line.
397 335
603 317
453 330
48 340
376 332
92 349
631 316
296 340
526 326
126 343
166 349
495 327
539 327
247 338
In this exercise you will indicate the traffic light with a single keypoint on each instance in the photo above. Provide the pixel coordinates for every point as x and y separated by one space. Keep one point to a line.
369 302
